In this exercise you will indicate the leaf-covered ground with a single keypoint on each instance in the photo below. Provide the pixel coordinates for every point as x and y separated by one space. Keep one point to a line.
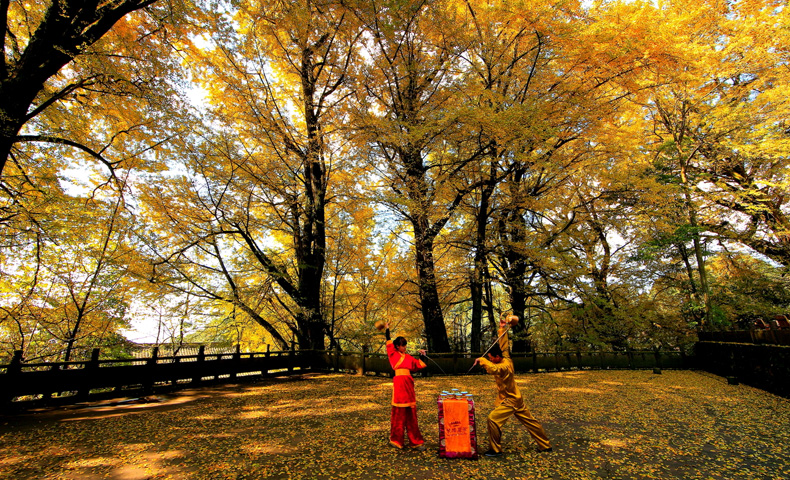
603 424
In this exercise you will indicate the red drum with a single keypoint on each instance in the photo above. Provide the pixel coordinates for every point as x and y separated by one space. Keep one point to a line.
457 431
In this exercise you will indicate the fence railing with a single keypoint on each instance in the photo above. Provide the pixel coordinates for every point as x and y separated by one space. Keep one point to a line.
756 336
29 385
461 363
762 366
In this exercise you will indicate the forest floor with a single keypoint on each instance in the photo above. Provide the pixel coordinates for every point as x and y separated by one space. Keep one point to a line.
602 424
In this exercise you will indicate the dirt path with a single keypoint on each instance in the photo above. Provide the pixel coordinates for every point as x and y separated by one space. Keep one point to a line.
603 424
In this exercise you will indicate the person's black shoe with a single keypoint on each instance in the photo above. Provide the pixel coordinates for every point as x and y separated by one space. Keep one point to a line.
546 450
492 453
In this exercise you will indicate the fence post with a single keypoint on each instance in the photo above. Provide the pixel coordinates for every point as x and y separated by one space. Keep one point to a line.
175 377
16 363
362 360
84 391
12 378
600 359
154 356
292 357
267 356
657 355
534 361
150 367
556 360
94 363
201 357
236 361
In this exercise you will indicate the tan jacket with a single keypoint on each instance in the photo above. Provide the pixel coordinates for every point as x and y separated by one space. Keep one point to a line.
503 372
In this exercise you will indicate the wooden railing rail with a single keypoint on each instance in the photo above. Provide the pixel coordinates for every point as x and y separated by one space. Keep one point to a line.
461 363
756 336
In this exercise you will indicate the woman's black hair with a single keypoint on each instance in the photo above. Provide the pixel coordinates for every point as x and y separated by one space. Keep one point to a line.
495 351
399 341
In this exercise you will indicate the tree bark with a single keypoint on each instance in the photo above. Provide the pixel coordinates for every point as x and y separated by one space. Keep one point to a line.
435 330
480 267
512 234
68 27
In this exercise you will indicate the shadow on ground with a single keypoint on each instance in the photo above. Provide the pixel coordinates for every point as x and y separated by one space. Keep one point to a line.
603 424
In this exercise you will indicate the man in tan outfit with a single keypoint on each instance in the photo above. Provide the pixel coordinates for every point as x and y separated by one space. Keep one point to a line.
509 401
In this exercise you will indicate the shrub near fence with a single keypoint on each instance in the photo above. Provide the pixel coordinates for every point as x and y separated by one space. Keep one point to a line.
29 385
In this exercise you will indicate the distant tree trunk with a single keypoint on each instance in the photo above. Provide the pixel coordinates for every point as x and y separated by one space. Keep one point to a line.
702 269
679 129
696 241
72 339
476 292
689 269
512 234
480 267
693 290
489 297
518 303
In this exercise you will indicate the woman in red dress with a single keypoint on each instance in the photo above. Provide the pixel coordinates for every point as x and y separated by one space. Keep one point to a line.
404 400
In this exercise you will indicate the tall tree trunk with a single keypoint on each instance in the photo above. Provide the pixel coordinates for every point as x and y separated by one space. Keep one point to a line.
417 192
435 330
694 294
518 304
678 126
476 292
310 239
480 268
489 297
697 242
512 228
689 269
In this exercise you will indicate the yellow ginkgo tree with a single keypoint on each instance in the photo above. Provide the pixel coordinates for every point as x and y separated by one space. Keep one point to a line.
257 180
718 130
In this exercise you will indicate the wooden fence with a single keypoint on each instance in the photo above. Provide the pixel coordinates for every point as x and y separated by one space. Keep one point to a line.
756 336
29 385
760 365
461 363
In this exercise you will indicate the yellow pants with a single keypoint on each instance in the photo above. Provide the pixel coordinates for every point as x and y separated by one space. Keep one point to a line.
499 416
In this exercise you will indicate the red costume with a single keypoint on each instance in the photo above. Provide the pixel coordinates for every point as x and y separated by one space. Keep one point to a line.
404 400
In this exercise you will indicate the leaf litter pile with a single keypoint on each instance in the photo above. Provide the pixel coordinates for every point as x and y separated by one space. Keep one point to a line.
603 424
